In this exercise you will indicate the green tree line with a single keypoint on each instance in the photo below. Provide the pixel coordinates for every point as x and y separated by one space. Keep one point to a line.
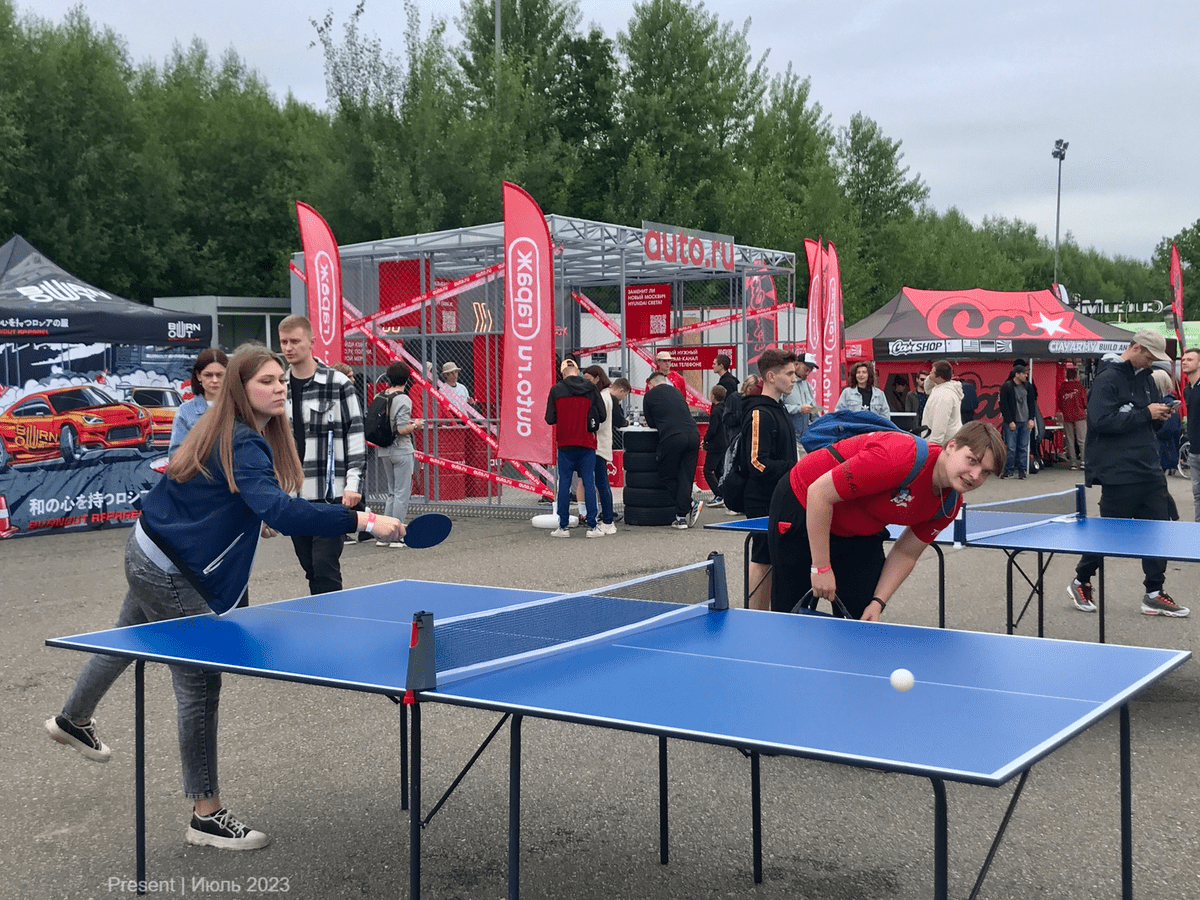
180 177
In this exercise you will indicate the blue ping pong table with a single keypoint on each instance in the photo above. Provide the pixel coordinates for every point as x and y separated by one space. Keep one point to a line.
984 710
1042 534
758 525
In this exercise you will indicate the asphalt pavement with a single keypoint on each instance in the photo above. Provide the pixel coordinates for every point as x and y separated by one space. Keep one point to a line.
319 769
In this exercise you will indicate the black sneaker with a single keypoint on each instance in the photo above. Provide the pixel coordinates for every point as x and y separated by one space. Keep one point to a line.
223 831
81 737
1021 474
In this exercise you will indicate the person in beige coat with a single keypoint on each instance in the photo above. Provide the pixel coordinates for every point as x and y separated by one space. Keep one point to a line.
943 409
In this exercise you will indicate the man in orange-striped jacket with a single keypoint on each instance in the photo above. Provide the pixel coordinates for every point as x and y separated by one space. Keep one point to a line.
768 453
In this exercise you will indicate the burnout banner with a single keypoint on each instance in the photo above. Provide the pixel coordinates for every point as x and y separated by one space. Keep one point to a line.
528 331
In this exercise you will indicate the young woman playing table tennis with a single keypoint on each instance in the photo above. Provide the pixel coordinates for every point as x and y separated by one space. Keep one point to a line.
829 517
192 550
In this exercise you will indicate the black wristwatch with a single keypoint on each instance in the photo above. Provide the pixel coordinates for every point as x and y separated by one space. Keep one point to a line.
882 605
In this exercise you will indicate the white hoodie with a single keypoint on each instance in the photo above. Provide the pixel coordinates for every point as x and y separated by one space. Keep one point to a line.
943 412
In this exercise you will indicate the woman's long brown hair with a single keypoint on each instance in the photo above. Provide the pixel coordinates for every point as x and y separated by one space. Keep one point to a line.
215 427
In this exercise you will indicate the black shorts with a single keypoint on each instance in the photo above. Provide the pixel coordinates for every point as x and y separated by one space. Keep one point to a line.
857 561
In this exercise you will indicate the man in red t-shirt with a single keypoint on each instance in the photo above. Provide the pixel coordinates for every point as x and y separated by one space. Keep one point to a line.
829 519
1072 406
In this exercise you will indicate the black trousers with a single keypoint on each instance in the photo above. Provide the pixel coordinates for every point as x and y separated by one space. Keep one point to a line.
677 457
321 559
1144 500
857 561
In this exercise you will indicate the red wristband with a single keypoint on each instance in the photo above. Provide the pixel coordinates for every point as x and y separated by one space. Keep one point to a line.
821 570
370 522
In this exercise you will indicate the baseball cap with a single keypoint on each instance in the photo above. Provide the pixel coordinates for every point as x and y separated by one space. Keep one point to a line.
810 360
1018 369
663 354
1153 341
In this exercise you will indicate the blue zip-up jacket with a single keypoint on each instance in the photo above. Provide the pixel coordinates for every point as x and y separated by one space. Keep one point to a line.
211 534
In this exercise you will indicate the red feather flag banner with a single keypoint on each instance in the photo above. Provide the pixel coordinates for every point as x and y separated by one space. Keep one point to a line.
833 337
528 330
323 281
1177 296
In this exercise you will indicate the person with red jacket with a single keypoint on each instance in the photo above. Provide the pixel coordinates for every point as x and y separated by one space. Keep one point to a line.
1072 407
575 409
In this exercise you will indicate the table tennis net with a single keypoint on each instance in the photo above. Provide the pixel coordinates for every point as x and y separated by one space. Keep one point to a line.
1003 516
470 640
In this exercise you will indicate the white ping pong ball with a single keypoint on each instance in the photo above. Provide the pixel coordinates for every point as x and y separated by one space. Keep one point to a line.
902 680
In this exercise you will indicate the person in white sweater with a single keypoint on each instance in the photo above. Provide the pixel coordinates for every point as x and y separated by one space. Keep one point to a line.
943 409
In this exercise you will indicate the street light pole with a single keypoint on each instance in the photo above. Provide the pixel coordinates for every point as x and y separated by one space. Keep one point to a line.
1060 153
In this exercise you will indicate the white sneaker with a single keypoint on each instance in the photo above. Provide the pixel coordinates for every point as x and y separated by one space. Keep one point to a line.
382 543
397 545
680 523
697 508
595 532
608 527
560 532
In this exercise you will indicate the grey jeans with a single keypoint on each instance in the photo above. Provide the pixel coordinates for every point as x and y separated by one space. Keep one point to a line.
1194 469
155 595
398 470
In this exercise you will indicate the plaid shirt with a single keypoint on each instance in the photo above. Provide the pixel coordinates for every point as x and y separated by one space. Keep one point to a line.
335 449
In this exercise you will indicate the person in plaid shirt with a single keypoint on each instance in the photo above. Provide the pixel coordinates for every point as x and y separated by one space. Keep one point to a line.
327 423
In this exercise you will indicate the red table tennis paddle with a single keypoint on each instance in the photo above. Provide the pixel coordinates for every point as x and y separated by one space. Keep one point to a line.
428 530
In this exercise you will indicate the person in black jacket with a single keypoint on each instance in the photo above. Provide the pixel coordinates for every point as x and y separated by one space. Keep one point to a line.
715 444
725 378
1016 409
1125 411
678 445
1190 363
768 452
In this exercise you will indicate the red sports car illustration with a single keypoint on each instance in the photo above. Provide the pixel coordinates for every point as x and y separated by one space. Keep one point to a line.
67 421
162 403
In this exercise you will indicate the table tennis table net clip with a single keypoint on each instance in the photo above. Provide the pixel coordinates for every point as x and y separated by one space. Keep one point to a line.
472 643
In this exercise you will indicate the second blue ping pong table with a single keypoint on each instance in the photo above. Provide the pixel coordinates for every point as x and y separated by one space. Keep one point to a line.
1043 534
659 656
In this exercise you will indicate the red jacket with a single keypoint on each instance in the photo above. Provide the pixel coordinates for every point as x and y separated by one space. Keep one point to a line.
1072 400
574 404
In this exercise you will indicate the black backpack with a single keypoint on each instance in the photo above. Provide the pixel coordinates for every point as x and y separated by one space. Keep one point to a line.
378 421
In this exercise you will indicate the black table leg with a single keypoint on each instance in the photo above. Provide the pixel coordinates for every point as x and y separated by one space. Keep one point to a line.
139 767
1100 599
940 841
414 812
1126 808
662 800
514 809
403 756
756 814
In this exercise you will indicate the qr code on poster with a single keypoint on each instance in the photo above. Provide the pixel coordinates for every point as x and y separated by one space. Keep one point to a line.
658 324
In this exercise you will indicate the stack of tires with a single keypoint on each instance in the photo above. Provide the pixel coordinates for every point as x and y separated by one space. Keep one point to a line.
646 503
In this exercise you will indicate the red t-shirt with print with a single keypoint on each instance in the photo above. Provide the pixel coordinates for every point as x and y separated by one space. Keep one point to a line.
869 480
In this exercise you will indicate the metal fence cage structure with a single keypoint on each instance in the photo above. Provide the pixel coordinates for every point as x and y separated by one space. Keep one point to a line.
593 260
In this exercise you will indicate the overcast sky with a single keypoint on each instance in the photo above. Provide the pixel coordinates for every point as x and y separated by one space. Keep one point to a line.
976 90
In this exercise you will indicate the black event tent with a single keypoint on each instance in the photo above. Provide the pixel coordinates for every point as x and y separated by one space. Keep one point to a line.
40 301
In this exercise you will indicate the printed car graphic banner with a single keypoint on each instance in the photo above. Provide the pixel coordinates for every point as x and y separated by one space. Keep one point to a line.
89 386
528 331
323 281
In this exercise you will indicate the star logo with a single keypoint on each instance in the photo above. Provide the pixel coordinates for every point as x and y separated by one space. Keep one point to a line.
1050 326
